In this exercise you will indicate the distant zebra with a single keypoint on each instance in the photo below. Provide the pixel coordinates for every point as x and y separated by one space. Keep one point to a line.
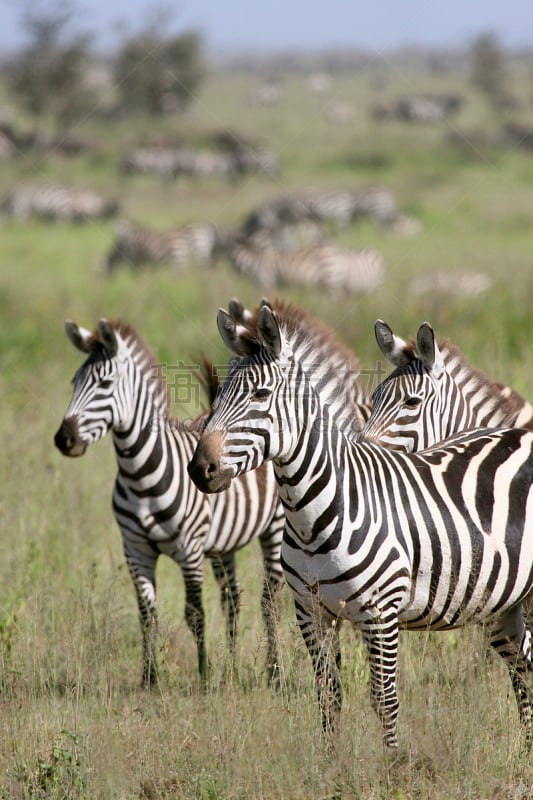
160 161
321 265
419 108
169 163
434 393
249 161
200 243
121 388
49 201
423 541
339 207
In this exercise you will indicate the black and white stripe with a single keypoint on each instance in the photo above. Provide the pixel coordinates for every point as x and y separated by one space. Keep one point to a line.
322 265
169 163
385 540
434 393
120 388
338 207
56 202
200 243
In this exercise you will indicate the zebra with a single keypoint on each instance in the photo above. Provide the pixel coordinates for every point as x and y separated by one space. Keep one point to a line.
170 162
249 161
201 243
57 202
159 511
383 539
434 393
160 161
419 108
338 207
322 264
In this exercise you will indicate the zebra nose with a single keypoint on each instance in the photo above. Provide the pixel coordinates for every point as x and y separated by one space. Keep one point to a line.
66 439
203 471
205 468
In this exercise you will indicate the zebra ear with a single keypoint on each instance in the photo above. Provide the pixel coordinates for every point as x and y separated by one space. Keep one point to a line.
232 336
240 314
108 337
78 336
428 350
268 328
392 346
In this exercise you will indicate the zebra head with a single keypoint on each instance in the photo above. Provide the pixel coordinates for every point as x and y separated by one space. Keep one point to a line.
408 407
99 398
245 427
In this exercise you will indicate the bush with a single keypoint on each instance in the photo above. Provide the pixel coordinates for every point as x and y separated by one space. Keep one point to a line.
155 75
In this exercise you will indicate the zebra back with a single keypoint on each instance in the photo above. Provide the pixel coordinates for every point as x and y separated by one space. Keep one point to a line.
320 264
51 201
198 243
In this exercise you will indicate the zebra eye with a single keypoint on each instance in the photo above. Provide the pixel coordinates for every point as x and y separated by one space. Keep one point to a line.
412 402
262 394
106 384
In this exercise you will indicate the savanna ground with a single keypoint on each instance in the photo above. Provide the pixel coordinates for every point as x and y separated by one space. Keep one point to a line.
74 722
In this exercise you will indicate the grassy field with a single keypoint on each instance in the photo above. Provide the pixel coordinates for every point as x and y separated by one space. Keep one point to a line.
74 722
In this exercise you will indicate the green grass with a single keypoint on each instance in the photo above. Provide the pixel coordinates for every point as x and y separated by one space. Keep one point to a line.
74 723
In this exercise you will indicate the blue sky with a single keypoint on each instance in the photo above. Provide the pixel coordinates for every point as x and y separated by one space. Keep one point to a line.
242 25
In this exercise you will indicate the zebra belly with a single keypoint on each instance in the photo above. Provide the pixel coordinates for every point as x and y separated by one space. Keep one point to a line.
341 588
469 593
356 588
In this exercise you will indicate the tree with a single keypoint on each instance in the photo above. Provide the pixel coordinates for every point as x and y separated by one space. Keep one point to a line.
156 74
48 76
488 69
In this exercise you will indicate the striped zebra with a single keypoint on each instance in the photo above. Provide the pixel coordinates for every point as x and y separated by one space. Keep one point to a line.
422 541
160 161
339 207
50 201
434 393
322 264
159 511
170 162
200 243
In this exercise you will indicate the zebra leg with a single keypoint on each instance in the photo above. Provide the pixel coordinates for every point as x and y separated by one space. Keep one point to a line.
195 619
320 631
142 559
230 595
381 637
272 584
511 639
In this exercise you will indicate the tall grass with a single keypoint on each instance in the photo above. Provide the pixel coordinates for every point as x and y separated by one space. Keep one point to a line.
74 722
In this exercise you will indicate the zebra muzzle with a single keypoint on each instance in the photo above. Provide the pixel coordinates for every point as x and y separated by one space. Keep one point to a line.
204 467
67 440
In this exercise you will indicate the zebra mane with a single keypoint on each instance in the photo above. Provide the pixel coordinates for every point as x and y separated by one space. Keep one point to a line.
140 351
154 370
491 396
331 366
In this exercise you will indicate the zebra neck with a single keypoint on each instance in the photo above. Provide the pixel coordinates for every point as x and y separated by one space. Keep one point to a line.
309 477
148 428
470 398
